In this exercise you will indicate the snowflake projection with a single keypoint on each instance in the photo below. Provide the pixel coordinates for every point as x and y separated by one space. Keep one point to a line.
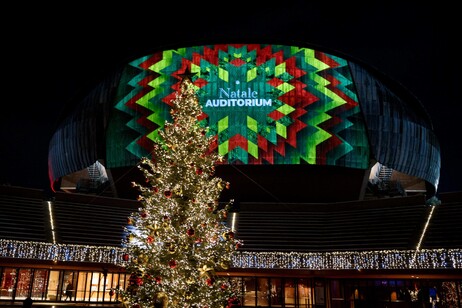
266 104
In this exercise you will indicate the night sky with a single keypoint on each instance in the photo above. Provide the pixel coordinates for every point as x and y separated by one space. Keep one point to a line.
62 53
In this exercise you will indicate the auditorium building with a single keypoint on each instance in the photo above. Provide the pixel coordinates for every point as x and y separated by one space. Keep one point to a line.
333 166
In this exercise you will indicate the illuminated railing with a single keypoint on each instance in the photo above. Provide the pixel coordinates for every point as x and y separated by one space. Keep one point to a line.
60 252
345 260
356 260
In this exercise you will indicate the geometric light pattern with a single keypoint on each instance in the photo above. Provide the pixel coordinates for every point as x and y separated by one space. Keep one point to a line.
266 104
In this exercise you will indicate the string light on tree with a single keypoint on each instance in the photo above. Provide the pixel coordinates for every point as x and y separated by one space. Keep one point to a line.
179 238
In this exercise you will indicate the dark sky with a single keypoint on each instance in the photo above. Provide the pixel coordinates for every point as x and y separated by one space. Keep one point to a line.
54 54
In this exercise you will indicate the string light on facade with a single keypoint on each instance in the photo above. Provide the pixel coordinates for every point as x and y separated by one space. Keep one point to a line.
337 260
60 252
351 260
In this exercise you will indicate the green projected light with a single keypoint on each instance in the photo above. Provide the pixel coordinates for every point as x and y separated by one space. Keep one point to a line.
266 104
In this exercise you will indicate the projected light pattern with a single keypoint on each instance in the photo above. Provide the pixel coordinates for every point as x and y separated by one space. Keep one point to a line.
266 104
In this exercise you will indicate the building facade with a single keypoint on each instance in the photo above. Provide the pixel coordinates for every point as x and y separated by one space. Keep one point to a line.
395 251
334 171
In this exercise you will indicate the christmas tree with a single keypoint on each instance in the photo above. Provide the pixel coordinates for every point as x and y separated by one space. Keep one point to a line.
178 239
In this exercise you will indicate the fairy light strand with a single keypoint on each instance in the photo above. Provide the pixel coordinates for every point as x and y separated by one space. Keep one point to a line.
338 260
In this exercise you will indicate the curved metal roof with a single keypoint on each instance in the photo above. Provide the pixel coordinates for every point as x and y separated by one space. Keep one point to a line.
267 105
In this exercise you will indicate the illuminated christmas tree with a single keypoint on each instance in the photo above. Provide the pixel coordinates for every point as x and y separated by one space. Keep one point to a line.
178 239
